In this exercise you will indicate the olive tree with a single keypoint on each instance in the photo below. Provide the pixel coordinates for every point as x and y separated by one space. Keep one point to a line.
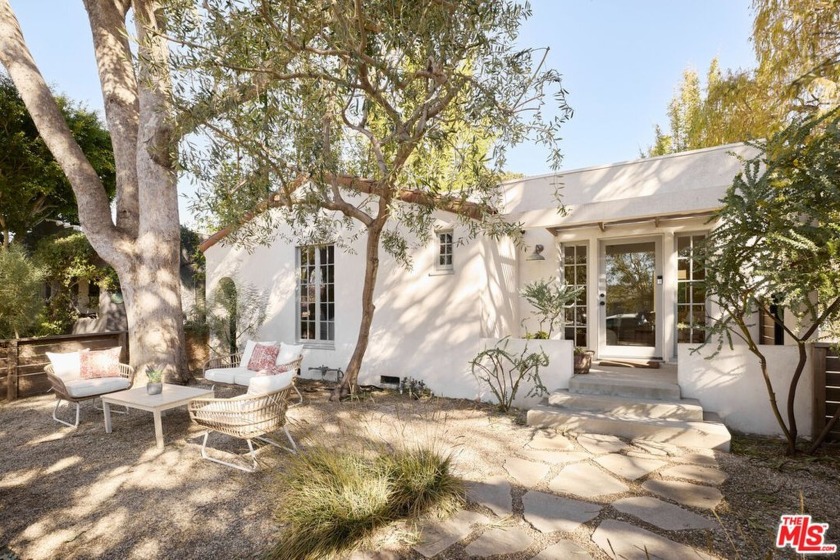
359 107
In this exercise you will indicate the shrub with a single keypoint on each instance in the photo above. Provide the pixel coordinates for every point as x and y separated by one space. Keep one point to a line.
333 501
20 292
503 371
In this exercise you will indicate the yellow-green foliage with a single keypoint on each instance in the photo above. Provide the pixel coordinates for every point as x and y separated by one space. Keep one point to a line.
332 500
20 292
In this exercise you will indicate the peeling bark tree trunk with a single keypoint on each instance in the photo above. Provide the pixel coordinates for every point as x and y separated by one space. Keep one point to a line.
143 243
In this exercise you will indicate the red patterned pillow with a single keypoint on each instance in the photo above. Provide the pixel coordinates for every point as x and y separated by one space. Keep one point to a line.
100 363
263 357
275 369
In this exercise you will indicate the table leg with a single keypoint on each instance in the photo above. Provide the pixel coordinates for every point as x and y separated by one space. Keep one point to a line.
106 409
158 430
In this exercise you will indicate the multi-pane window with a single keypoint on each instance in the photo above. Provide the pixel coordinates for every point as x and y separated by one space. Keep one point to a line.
316 293
444 260
574 275
691 289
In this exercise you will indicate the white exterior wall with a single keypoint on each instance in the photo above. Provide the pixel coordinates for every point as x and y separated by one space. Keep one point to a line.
427 325
731 385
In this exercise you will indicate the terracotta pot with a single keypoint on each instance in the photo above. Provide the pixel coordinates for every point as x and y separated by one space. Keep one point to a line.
583 361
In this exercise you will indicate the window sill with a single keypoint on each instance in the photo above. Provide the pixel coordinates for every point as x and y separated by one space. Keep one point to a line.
317 345
443 272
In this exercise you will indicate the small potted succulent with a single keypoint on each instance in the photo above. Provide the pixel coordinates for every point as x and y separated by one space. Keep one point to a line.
583 360
154 374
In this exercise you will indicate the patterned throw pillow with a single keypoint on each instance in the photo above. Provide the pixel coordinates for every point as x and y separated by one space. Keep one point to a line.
263 357
100 363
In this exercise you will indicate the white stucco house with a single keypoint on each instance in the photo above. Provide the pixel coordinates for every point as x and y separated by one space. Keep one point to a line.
627 239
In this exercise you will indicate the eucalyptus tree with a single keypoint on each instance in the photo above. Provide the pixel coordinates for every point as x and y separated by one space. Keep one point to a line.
778 244
359 108
142 241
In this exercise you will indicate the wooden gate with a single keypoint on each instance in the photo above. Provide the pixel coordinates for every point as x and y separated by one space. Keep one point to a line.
826 363
22 360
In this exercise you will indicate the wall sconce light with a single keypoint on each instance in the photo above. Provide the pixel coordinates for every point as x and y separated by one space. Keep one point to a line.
537 254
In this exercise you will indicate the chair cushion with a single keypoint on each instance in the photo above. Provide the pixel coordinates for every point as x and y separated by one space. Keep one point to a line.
263 357
87 387
100 363
262 384
244 377
223 375
249 349
289 353
66 365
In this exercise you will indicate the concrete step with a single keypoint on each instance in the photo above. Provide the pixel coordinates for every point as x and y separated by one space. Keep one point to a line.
679 409
702 435
616 386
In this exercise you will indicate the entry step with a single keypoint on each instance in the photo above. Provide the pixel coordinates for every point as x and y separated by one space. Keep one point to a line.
678 409
615 386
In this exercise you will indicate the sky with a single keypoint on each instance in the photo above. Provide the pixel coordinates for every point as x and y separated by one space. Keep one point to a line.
621 62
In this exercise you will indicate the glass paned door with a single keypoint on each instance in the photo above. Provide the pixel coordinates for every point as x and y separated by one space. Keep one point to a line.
630 298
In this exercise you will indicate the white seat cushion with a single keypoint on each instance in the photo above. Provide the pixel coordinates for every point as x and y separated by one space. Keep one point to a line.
262 384
223 375
86 387
244 377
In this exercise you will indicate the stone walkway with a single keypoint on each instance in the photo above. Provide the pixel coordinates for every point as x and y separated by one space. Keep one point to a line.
586 496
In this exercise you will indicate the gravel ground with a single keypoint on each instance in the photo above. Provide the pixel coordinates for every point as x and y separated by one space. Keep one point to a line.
83 493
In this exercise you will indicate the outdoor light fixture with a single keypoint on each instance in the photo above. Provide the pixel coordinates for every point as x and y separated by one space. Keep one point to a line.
537 254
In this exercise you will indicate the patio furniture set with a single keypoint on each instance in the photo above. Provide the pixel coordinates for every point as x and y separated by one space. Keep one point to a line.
268 371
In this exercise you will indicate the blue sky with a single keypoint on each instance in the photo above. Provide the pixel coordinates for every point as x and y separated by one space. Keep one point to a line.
621 61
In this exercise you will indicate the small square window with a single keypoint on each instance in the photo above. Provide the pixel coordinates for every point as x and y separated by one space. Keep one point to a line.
445 250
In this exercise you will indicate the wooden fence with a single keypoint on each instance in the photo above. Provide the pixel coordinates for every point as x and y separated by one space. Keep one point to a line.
22 360
826 362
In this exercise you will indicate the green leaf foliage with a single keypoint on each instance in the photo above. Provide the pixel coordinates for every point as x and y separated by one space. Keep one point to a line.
21 282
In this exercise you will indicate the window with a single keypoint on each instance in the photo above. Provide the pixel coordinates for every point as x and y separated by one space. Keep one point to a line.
770 329
444 261
316 293
574 275
691 289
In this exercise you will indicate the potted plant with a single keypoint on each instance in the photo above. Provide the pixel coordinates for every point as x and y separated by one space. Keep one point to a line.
154 374
583 360
550 300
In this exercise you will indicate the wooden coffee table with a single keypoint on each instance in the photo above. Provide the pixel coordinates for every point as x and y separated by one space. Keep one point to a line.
172 396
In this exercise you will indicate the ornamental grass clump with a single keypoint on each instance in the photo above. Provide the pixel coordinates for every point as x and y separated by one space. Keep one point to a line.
332 501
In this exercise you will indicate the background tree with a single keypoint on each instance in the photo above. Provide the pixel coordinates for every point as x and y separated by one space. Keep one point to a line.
32 186
142 243
20 293
778 243
361 106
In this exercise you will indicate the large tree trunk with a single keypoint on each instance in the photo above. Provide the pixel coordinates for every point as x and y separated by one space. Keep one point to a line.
143 244
351 375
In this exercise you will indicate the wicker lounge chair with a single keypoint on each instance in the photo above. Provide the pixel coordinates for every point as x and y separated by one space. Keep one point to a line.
74 389
247 417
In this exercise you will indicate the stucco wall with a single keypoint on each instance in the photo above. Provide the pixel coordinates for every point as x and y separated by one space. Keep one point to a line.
554 376
731 384
427 324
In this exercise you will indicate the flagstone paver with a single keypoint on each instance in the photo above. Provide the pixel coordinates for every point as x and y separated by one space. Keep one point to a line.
598 444
662 514
504 540
549 513
656 447
554 457
686 493
550 440
437 536
630 468
697 459
527 473
494 494
586 481
378 555
696 473
628 542
563 549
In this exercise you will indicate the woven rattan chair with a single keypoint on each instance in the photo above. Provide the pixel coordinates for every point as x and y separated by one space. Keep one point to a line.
247 417
75 389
